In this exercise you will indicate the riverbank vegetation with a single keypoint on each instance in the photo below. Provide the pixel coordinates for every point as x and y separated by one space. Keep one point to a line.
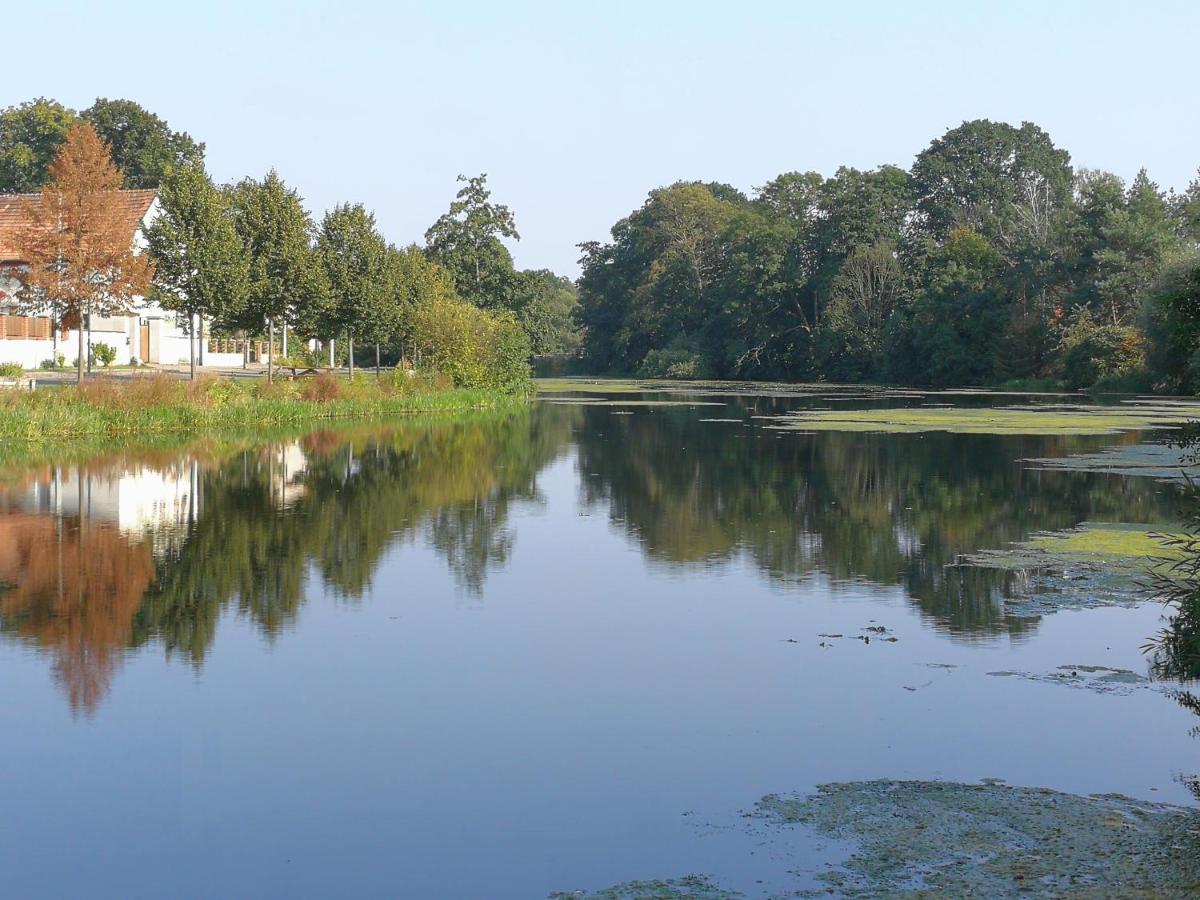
157 404
991 260
248 260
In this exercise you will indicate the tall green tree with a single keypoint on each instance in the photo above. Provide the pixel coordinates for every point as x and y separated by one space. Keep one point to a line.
354 259
467 241
201 265
143 146
31 135
991 177
284 273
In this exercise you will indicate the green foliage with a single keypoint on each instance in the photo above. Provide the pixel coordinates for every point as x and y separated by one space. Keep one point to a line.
1091 352
11 370
472 347
466 241
30 136
677 361
275 230
964 271
201 266
143 146
353 256
1172 323
104 353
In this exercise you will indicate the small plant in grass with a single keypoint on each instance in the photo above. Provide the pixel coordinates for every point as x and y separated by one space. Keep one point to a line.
320 388
11 370
104 354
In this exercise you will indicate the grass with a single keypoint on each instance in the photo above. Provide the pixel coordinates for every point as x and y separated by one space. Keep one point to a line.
158 404
1050 419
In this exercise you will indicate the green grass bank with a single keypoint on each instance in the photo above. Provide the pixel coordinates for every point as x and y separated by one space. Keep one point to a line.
157 404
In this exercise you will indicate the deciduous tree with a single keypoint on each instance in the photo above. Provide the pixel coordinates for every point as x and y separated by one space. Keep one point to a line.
77 239
201 267
276 232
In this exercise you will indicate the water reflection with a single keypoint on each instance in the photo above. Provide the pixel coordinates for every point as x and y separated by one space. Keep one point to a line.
888 509
103 558
95 562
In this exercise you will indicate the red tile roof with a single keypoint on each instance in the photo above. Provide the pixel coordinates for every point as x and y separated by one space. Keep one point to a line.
136 203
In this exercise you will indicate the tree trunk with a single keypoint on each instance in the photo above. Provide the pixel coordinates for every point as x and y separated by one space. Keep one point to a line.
89 342
192 345
376 360
285 337
350 354
79 362
201 339
270 355
331 356
245 350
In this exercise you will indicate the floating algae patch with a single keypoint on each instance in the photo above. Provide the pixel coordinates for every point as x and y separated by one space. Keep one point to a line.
590 402
1034 420
1101 679
1160 461
929 838
1092 565
690 886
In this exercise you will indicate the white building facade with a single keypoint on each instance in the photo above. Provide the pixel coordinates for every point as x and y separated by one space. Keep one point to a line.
147 333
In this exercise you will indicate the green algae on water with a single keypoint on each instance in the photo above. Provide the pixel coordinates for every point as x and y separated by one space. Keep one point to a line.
1151 460
931 838
689 887
1035 420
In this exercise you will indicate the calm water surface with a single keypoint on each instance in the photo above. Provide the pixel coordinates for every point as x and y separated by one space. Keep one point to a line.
539 651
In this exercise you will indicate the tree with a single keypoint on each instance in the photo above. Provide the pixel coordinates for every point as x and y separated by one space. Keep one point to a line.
866 292
30 138
466 240
354 259
1186 208
201 268
78 240
955 320
276 232
992 178
143 146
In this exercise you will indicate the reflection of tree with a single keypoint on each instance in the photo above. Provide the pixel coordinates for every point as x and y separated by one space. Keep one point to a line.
87 592
362 493
889 509
72 587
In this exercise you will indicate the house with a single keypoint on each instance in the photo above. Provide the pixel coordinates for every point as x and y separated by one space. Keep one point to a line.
148 333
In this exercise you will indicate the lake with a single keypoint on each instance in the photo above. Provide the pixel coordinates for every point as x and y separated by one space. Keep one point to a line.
550 650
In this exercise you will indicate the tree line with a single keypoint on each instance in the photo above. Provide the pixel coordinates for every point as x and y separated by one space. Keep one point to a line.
249 259
991 260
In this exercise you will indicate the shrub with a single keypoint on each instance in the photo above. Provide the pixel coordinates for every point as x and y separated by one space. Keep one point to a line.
472 347
320 388
673 362
104 353
11 370
1091 352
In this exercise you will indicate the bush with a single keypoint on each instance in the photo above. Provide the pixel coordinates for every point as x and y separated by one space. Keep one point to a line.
11 370
472 347
104 354
673 362
320 388
1091 352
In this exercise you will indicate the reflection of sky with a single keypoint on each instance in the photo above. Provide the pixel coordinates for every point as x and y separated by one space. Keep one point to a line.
549 733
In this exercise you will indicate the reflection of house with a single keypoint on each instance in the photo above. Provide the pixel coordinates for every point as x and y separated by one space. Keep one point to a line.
148 333
288 464
142 503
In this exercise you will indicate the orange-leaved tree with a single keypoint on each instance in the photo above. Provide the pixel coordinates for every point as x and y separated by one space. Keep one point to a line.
77 238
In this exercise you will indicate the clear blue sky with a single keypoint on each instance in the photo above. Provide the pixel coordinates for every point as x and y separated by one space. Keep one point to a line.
576 109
